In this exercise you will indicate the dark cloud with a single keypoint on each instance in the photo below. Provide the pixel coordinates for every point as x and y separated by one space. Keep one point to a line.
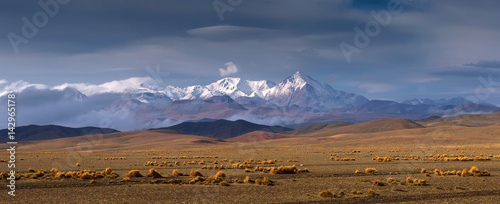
484 64
98 41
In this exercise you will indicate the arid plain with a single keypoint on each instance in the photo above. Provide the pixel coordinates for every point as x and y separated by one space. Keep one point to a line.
455 159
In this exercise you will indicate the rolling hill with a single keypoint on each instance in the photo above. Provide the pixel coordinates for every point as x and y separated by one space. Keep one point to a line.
46 132
469 120
223 129
380 125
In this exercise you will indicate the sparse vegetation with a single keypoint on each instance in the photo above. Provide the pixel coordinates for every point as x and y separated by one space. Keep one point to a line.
326 194
371 171
134 173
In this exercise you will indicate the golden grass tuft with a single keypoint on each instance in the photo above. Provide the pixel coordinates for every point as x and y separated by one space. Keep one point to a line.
77 164
86 175
284 170
224 183
107 171
420 182
390 180
357 172
409 180
31 170
175 172
220 175
423 171
134 173
126 179
326 194
438 172
371 171
195 173
154 173
248 180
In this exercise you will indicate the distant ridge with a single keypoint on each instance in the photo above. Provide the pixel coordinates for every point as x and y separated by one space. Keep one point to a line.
468 120
316 127
223 129
380 125
46 132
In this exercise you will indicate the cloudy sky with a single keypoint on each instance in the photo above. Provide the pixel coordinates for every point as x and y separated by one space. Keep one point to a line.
407 48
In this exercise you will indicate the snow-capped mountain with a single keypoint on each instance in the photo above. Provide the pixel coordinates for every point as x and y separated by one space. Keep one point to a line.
303 91
233 87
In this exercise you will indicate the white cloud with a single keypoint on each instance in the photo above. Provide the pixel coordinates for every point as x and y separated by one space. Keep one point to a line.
3 81
375 87
231 68
424 79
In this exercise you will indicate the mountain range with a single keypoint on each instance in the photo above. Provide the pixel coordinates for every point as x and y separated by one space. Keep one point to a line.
144 103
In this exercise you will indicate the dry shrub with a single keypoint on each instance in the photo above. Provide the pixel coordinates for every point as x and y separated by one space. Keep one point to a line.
126 179
196 179
247 170
248 180
371 171
60 175
77 164
31 170
474 170
378 183
134 173
438 172
86 175
265 182
357 172
175 172
195 173
355 192
284 170
326 194
54 170
154 173
92 181
219 175
224 183
107 171
409 180
420 182
423 171
390 180
39 173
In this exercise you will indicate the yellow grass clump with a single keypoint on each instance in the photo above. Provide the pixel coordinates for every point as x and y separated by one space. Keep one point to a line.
134 173
357 172
107 171
77 164
248 180
154 173
195 173
423 171
390 180
284 170
326 194
86 175
175 172
31 170
409 180
219 175
371 171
